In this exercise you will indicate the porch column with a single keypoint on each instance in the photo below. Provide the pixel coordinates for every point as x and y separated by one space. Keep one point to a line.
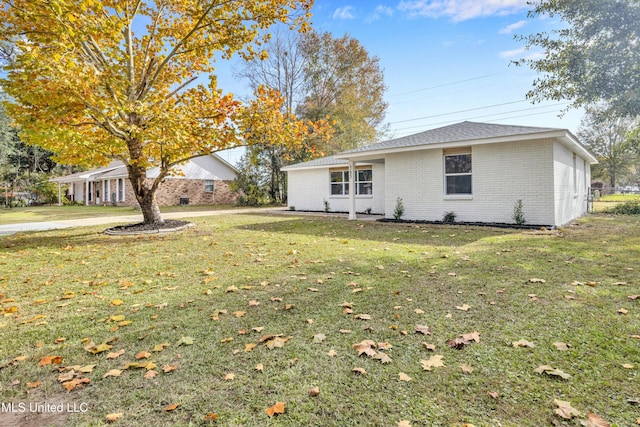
59 195
352 190
86 193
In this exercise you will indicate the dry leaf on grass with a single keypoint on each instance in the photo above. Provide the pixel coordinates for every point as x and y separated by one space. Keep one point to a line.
565 410
434 361
594 420
171 407
114 417
278 408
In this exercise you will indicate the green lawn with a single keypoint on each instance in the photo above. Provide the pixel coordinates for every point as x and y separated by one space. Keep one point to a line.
57 213
321 285
609 201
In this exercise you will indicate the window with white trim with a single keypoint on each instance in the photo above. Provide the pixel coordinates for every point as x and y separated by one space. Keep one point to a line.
457 171
120 189
363 182
208 186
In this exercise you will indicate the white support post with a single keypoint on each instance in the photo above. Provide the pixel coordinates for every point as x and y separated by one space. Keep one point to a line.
86 193
352 190
59 195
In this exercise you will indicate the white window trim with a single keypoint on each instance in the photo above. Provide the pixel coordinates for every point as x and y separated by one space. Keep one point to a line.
356 182
456 152
213 185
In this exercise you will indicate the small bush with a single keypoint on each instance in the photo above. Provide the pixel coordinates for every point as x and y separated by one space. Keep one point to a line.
449 217
327 208
368 211
398 211
292 208
632 207
518 213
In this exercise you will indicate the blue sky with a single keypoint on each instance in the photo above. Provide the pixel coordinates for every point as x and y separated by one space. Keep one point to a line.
444 61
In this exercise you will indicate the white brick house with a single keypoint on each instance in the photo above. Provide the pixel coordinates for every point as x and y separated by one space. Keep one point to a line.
476 170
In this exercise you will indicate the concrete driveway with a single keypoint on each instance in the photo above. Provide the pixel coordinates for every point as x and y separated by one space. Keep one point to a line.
7 229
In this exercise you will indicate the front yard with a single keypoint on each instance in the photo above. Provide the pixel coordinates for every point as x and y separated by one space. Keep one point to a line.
213 326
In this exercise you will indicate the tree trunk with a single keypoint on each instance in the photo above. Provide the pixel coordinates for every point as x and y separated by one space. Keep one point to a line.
145 195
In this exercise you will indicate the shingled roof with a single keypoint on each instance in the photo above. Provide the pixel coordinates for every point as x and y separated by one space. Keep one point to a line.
465 131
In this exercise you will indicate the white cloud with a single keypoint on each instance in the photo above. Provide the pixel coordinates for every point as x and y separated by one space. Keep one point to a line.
512 27
520 54
512 53
461 10
345 12
378 13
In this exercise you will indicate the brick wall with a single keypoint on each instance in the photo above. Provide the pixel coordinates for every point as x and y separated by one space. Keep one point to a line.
172 190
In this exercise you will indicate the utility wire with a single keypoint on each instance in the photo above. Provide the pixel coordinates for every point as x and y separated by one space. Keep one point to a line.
447 84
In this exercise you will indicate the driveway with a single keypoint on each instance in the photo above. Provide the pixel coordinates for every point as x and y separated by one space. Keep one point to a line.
7 229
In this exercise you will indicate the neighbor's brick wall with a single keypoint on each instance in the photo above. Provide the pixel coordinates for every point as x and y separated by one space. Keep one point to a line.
171 190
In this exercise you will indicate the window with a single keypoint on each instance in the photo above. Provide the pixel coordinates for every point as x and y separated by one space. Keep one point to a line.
457 172
340 182
120 189
208 186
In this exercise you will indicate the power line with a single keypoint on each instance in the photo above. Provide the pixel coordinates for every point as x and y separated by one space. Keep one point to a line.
460 111
486 115
447 84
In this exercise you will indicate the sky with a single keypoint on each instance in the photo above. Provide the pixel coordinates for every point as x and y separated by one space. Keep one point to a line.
444 61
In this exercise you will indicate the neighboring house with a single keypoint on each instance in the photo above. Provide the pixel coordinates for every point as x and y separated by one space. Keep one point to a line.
477 170
203 180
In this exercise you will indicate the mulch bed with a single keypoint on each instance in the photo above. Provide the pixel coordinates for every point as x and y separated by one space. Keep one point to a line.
142 228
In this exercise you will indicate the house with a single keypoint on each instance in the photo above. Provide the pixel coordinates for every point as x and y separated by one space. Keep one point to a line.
477 170
202 180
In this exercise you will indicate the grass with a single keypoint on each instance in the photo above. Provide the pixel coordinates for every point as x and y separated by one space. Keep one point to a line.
301 270
609 201
57 213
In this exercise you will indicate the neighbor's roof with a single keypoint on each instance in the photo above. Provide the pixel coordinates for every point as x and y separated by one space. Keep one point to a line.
322 162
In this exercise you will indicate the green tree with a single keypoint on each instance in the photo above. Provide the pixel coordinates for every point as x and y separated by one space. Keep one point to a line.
98 80
321 78
346 84
608 137
595 58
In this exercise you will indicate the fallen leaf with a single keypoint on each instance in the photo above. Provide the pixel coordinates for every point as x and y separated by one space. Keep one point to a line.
150 374
418 311
50 360
169 368
594 420
278 408
627 366
112 373
383 357
185 341
100 348
314 391
546 369
404 423
115 355
362 317
276 342
332 353
249 347
159 347
143 355
116 302
360 371
424 330
229 377
493 394
434 361
171 407
318 338
33 384
464 307
365 347
259 367
71 385
536 280
86 369
561 346
623 311
114 417
523 343
404 377
565 410
466 369
211 417
430 347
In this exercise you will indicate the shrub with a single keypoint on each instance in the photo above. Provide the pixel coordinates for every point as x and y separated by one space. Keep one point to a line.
327 208
398 211
449 217
518 213
632 207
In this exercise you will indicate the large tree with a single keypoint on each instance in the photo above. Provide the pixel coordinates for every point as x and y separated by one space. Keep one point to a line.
321 78
98 80
594 58
609 138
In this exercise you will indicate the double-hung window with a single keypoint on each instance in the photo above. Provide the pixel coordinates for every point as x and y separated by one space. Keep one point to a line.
363 182
457 172
208 186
